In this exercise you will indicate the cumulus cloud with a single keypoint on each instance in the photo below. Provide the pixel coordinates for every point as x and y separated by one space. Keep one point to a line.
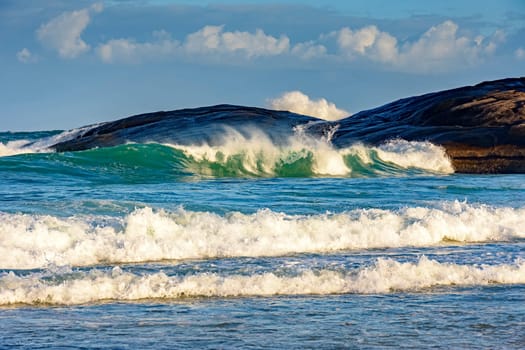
213 39
368 41
128 50
25 56
439 47
309 50
298 102
442 47
208 40
63 33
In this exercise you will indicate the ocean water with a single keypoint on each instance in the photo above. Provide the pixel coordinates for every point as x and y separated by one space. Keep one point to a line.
255 245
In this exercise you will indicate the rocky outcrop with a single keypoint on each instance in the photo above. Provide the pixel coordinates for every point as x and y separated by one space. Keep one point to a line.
482 127
187 127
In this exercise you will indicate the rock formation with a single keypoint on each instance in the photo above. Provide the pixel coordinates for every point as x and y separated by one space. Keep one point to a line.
482 127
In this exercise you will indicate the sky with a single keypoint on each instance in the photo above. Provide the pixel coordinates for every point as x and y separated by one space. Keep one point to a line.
65 64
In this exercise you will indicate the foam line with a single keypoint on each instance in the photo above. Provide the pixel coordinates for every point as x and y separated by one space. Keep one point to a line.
385 276
35 241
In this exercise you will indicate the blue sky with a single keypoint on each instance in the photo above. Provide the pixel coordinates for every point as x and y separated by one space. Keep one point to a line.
65 64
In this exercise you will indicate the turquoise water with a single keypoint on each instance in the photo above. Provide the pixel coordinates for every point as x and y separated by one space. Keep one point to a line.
171 246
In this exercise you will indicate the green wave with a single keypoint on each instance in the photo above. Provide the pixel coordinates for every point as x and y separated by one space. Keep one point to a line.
156 162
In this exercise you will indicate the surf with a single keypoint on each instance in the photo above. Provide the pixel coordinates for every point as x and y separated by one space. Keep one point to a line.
385 275
29 241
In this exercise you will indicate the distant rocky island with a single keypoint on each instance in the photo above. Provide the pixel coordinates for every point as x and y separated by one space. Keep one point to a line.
481 127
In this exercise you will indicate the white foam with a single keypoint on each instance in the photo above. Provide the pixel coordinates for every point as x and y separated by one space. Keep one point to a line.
42 145
12 148
259 156
33 241
422 155
385 276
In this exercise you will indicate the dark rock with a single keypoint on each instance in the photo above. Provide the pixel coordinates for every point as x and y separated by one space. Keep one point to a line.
188 127
482 127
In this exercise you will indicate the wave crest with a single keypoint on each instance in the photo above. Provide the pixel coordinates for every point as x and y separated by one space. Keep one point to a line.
35 241
303 155
386 275
250 153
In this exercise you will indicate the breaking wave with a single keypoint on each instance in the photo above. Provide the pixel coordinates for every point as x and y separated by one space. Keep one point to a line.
12 148
36 241
303 155
238 155
35 142
385 276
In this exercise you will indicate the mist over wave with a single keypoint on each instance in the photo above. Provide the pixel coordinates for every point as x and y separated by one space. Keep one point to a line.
386 275
35 142
36 241
12 148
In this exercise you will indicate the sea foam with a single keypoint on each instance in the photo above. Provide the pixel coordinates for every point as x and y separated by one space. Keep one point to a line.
35 241
12 148
386 275
41 145
255 154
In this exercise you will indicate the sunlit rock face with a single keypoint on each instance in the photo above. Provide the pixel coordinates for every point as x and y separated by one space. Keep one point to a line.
482 127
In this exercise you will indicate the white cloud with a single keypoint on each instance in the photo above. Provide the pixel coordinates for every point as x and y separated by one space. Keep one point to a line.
63 33
520 53
128 50
309 50
212 39
25 56
368 41
208 40
440 47
298 102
